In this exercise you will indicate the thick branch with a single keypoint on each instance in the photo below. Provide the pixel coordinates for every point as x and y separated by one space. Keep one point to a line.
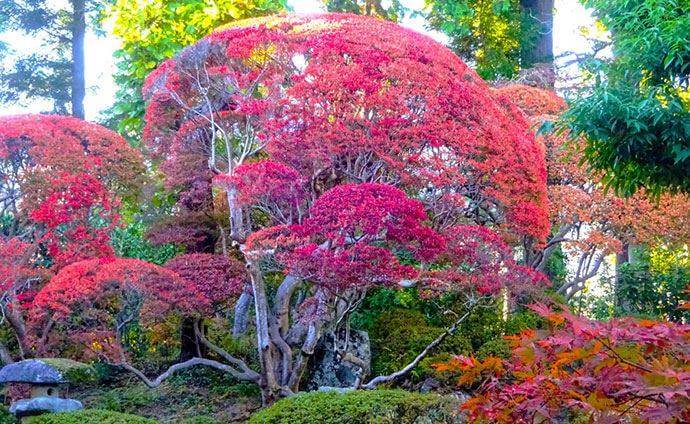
306 352
577 283
183 365
540 262
409 367
282 301
16 321
248 373
283 348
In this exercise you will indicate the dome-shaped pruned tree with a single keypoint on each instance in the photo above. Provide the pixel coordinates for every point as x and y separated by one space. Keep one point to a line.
61 179
343 98
348 153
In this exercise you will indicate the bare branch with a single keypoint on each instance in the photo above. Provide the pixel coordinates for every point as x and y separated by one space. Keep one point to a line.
181 366
409 367
246 372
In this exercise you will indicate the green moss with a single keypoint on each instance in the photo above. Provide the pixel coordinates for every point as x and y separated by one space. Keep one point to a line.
73 371
216 382
87 416
200 419
126 399
360 407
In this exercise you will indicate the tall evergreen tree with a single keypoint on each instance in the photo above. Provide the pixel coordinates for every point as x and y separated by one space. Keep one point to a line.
55 71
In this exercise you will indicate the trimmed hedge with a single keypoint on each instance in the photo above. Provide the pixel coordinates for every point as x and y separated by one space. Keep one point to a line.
361 407
89 416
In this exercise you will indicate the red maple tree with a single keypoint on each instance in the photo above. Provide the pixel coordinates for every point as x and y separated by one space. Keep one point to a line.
336 111
615 371
60 183
92 303
218 278
338 167
586 219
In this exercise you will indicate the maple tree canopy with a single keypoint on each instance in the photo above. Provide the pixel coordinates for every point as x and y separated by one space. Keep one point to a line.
399 109
62 177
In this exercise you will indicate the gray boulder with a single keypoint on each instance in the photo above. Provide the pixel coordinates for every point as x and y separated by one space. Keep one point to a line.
41 405
31 371
47 371
327 367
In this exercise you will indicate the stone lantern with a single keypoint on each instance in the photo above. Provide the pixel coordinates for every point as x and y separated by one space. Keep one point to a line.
47 381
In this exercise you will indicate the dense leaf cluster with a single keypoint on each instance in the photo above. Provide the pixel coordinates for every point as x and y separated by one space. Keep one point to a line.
636 119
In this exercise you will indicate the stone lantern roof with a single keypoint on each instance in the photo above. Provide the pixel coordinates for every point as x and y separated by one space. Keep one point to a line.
34 371
47 371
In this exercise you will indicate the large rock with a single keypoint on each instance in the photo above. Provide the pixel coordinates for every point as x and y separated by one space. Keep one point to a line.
328 369
42 405
31 371
46 371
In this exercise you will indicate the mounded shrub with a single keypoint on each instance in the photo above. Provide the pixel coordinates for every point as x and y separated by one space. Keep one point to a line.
355 407
87 416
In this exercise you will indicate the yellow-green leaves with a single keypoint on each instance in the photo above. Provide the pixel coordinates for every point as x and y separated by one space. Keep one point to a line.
151 31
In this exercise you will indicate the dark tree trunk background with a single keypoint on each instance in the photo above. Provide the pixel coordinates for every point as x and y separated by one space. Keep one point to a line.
622 258
78 34
190 347
542 12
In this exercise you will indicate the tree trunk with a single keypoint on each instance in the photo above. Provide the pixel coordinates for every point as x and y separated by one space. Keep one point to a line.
620 306
241 318
189 344
236 218
270 390
78 34
541 12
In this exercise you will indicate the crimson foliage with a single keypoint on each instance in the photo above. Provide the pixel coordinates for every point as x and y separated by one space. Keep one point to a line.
93 302
61 179
400 109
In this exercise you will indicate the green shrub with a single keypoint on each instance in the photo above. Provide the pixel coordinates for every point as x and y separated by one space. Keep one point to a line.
520 321
126 399
498 348
399 335
654 287
483 325
6 417
360 407
89 416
